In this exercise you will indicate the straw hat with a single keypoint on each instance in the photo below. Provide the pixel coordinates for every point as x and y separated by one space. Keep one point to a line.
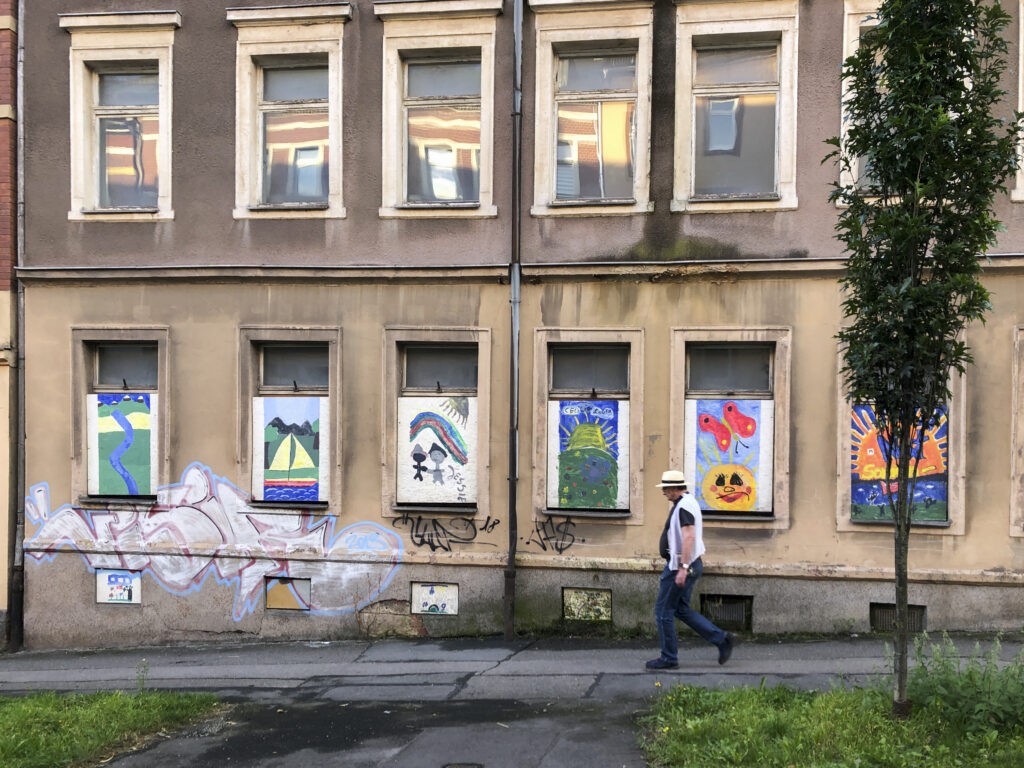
673 478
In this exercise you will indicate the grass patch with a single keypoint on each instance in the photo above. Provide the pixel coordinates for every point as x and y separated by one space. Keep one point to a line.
966 714
48 729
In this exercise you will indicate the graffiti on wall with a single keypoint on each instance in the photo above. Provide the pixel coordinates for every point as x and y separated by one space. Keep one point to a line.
122 435
869 485
437 451
202 527
730 453
288 461
588 454
438 533
551 534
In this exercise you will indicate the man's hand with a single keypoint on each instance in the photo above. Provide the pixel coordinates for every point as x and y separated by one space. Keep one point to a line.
681 576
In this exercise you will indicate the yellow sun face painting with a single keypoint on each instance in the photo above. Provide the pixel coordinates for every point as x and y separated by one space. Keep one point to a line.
729 487
729 454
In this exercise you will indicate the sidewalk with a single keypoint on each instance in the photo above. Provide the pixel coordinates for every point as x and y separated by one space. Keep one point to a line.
450 670
544 703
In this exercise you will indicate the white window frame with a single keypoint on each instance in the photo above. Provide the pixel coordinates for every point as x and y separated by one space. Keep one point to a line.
726 23
423 30
955 471
1017 193
596 26
294 32
855 18
106 40
543 340
395 338
782 340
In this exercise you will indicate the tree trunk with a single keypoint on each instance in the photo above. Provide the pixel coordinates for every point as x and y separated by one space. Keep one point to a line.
901 518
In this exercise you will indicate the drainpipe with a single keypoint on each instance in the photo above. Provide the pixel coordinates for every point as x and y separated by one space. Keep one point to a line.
16 497
514 286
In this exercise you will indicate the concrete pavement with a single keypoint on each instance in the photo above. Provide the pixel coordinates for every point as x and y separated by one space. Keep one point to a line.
398 702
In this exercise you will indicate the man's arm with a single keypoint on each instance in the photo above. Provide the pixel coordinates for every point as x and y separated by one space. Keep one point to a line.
689 536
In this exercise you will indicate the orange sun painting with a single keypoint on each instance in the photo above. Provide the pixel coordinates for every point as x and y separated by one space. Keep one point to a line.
869 484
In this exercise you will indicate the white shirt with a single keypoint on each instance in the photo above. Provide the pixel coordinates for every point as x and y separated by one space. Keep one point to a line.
675 531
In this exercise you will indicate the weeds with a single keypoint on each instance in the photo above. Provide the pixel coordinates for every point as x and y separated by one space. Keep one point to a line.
966 715
974 695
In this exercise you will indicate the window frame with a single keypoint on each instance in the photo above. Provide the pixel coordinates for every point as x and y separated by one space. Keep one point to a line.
1017 437
251 341
572 28
395 340
84 343
781 338
726 24
855 14
956 466
543 340
117 41
414 32
288 36
1017 192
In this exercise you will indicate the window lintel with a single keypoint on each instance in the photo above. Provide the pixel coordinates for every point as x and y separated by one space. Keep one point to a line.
285 15
410 9
120 22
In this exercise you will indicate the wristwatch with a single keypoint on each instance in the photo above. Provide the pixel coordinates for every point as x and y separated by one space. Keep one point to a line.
686 566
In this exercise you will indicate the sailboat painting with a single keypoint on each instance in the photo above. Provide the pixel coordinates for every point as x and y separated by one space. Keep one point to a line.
290 461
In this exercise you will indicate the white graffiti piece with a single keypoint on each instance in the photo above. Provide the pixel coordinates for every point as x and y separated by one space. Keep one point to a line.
203 525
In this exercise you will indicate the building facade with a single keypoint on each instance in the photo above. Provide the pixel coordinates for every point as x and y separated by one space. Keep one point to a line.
361 317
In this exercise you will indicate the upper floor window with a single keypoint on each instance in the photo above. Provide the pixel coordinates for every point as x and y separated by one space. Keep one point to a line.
442 128
438 120
120 85
735 97
736 106
288 118
295 135
593 110
595 102
860 17
127 124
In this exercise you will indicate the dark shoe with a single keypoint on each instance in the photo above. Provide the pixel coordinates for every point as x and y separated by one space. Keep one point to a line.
725 649
662 664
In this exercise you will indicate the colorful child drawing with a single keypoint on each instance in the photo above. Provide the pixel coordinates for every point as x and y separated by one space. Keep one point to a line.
588 456
869 484
731 454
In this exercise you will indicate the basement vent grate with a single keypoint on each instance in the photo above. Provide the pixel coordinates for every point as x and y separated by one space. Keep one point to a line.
733 612
883 617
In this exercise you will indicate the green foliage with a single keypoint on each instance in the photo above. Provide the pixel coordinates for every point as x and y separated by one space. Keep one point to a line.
976 695
843 728
48 729
921 91
919 115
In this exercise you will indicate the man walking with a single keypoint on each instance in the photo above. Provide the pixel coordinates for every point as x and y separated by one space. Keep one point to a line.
682 545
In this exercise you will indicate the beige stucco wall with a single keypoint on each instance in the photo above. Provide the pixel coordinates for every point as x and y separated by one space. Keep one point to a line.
977 561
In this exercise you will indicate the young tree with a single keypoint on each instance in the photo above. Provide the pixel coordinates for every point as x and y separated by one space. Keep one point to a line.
930 154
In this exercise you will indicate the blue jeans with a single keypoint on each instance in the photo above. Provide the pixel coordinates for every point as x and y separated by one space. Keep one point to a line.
674 602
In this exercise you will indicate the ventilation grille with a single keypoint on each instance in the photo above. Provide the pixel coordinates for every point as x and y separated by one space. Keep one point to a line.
883 617
734 612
